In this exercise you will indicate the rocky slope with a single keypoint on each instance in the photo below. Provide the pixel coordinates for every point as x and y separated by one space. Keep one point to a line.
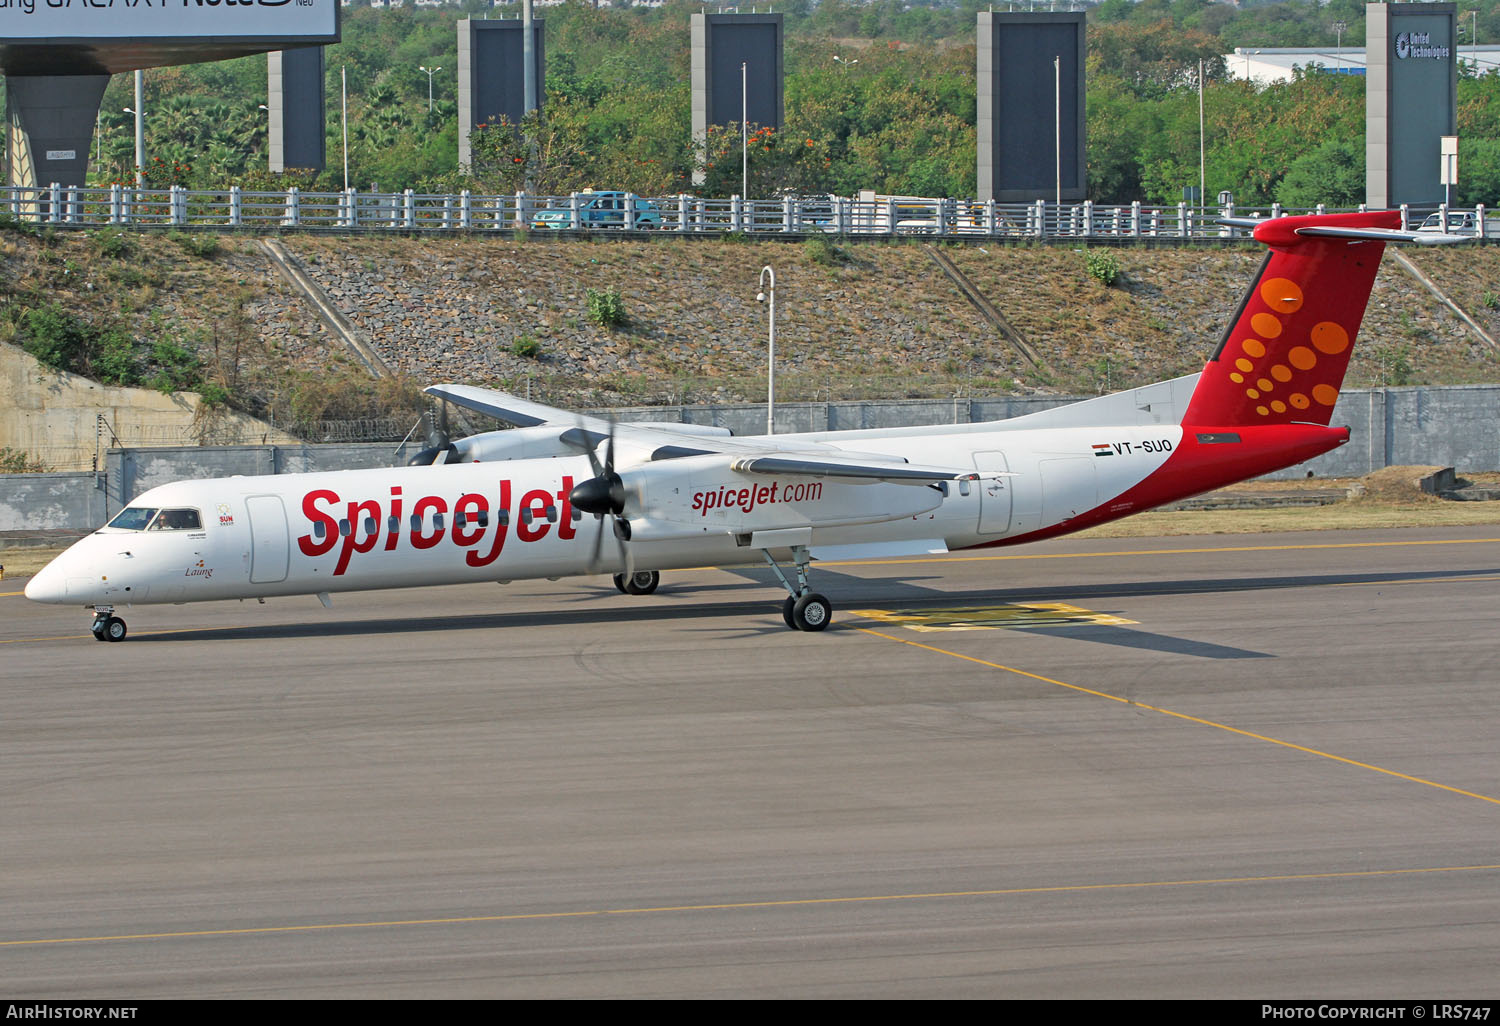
864 319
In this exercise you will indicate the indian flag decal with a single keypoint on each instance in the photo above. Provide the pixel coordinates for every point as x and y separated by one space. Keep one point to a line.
1102 449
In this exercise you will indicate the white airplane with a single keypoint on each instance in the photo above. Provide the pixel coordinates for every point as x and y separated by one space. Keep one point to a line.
561 494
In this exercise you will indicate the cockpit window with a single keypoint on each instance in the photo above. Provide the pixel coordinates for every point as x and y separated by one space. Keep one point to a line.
132 518
177 520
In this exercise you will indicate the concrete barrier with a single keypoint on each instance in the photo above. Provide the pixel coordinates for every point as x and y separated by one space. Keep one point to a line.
1453 426
52 502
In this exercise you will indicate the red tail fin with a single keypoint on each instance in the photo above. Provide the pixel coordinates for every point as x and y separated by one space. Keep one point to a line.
1284 357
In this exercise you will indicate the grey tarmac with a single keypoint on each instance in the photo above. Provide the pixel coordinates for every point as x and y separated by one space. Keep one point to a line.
1249 766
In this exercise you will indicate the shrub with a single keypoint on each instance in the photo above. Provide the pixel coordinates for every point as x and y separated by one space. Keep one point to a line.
1102 265
196 243
112 243
14 461
606 308
55 337
820 251
527 347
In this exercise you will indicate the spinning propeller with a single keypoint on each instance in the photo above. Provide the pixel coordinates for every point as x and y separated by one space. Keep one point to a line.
440 447
603 494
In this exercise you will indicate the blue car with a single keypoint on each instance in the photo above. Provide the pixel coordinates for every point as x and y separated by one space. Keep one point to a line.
600 210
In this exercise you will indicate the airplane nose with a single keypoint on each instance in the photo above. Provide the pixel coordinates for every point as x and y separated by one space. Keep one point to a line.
50 585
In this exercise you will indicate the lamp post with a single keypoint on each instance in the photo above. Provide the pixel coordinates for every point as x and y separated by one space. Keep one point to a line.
430 73
140 128
1057 126
140 147
1202 164
1338 44
761 297
846 65
744 135
344 93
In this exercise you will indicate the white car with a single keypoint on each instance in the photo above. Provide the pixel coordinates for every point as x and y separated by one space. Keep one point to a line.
1459 223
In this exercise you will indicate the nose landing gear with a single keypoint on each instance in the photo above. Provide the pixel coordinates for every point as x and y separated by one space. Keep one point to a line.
107 626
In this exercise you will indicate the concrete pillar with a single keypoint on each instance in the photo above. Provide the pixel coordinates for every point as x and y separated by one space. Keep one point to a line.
296 106
50 127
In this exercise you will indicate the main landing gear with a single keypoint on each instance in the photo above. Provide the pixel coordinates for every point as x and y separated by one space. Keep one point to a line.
107 626
804 609
642 582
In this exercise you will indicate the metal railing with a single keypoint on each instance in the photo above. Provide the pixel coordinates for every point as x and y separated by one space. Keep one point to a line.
79 207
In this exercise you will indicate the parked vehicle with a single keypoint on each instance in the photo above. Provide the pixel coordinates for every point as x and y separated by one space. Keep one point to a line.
606 209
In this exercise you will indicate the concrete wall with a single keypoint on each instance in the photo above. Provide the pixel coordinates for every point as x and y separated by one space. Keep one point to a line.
1449 426
55 415
51 502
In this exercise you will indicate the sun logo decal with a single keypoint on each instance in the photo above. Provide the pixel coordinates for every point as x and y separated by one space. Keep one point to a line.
226 517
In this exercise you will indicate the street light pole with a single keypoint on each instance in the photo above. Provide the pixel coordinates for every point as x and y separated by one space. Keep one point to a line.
1202 173
744 136
140 128
430 73
344 85
1338 43
761 297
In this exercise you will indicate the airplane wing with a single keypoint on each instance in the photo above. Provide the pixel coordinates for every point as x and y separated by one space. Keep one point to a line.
513 410
759 455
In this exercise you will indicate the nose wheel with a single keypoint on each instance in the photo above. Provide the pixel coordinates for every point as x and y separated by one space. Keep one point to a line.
107 626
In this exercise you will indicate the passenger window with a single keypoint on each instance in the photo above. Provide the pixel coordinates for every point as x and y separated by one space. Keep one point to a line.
345 527
370 525
320 530
393 525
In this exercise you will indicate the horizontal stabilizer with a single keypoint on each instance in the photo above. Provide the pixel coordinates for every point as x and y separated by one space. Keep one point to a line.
1428 238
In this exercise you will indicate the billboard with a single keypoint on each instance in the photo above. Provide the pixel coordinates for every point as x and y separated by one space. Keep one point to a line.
71 21
1030 112
1411 100
491 82
737 66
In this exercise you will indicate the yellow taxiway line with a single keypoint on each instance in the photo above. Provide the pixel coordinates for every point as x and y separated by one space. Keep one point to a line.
1179 716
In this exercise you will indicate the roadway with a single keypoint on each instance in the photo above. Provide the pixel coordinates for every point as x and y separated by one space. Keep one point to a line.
1233 766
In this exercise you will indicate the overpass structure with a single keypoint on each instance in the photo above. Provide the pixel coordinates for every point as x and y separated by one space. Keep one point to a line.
57 56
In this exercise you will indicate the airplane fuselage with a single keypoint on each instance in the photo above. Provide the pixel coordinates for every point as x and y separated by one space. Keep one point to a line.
301 534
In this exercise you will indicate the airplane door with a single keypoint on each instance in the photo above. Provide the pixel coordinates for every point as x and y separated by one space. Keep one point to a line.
994 495
270 540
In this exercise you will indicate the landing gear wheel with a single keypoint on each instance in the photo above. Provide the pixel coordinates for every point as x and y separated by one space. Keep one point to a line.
812 612
97 628
786 612
620 583
642 582
113 629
